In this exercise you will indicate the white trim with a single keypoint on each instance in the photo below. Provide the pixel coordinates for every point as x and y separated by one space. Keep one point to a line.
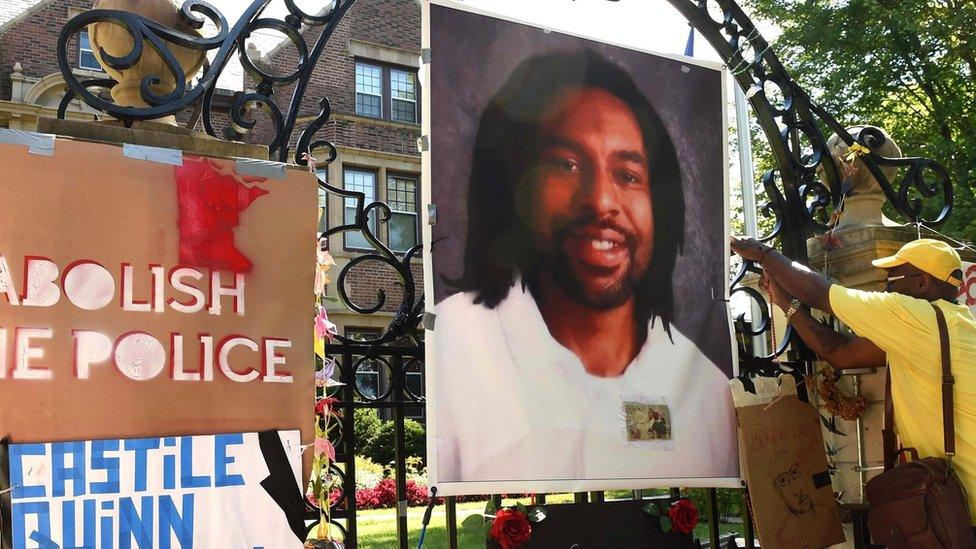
384 54
19 18
89 49
713 65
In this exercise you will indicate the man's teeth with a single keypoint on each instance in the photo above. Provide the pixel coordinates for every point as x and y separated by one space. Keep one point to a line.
602 245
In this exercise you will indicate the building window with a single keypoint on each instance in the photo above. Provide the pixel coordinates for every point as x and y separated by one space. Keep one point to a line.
323 175
369 90
401 197
364 182
415 385
386 92
367 371
403 95
86 57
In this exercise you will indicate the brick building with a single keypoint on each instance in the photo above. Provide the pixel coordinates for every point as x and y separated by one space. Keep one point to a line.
369 73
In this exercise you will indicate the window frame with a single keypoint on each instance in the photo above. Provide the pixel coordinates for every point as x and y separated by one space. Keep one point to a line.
390 175
322 174
386 90
421 406
89 49
356 91
374 225
416 93
352 331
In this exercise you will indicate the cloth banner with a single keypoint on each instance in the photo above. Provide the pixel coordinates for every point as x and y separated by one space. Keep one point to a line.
187 491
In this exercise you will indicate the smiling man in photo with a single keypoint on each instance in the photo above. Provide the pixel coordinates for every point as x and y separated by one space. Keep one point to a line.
563 316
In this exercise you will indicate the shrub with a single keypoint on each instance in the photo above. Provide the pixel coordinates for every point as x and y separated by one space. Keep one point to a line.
417 494
382 448
366 426
383 495
416 471
368 473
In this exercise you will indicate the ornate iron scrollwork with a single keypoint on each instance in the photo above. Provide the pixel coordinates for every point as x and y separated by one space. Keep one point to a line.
226 42
794 125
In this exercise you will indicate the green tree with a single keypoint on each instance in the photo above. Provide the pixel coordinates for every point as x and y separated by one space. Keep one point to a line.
906 66
366 423
382 448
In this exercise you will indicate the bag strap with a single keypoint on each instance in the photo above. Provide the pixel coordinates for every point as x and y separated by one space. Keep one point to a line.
889 441
948 413
889 444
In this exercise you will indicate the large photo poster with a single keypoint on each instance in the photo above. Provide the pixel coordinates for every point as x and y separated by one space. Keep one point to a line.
578 263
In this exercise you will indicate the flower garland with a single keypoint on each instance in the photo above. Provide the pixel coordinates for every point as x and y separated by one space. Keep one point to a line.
324 454
833 399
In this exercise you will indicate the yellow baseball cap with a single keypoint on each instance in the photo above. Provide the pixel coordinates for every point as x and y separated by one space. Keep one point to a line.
931 256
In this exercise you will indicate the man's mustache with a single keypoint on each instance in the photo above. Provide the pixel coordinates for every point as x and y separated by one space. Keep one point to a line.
587 223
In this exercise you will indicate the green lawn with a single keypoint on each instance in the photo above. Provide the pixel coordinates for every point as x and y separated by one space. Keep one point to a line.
377 527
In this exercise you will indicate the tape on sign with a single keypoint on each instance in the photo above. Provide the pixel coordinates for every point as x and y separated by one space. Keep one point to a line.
261 168
172 157
36 143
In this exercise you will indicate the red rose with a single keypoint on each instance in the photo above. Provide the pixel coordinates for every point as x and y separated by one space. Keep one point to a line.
324 406
684 516
511 528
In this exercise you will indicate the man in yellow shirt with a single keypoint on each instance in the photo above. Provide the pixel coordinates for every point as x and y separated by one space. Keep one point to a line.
897 328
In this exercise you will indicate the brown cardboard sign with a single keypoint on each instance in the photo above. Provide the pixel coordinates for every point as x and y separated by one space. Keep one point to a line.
148 298
785 466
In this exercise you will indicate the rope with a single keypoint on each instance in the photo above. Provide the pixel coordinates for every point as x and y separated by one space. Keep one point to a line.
962 245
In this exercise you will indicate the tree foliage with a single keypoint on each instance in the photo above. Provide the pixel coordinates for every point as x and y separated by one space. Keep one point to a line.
382 447
905 66
367 424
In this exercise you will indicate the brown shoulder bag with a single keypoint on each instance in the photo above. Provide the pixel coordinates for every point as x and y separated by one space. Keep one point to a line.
920 504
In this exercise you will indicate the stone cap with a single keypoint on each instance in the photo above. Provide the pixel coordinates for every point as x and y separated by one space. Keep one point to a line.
152 135
850 262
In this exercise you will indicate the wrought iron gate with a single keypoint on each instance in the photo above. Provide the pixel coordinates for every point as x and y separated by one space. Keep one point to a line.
793 123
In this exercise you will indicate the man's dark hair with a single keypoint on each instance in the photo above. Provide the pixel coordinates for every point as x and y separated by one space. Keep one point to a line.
499 242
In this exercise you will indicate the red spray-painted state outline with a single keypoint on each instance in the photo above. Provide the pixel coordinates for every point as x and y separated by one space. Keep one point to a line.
211 200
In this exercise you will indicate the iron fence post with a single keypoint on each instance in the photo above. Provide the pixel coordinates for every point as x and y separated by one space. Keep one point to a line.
400 459
711 494
450 503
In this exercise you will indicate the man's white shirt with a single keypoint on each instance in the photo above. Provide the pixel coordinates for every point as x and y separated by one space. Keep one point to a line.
511 403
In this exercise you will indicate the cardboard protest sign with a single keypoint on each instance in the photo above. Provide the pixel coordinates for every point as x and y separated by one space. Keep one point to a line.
785 466
146 298
189 491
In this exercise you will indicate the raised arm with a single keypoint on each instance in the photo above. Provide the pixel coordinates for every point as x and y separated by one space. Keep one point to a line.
838 350
797 279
